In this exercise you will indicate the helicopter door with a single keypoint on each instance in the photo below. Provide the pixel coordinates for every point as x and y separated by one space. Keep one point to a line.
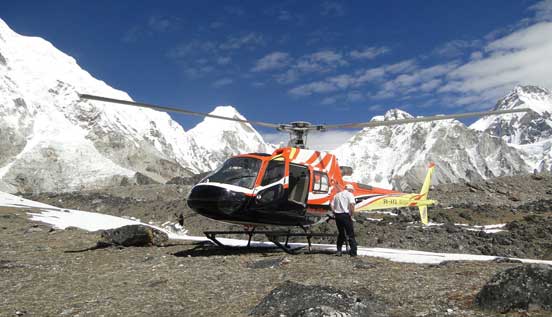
298 184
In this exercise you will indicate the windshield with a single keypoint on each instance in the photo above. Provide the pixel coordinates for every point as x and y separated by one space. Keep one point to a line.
238 171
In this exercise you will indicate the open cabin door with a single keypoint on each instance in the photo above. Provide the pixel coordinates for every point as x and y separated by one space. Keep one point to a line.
298 184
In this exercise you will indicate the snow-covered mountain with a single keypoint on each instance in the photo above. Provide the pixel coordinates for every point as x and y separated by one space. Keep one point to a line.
530 132
221 139
50 140
397 156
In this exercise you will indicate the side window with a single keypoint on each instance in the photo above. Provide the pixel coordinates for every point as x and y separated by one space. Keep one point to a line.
321 183
274 172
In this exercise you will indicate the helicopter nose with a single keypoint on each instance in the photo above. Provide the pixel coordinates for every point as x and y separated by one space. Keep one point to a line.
215 202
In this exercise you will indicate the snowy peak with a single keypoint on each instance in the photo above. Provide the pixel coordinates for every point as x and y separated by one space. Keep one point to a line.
397 156
393 114
227 111
535 98
218 139
521 128
53 141
397 114
529 132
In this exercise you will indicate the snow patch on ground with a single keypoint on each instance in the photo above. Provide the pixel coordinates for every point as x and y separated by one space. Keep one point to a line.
63 218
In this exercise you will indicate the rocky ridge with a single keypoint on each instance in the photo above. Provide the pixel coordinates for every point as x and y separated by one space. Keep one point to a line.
460 153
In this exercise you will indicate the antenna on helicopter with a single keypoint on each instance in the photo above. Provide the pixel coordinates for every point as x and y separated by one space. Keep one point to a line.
299 130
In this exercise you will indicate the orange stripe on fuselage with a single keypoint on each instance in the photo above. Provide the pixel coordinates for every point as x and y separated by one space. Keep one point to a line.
325 162
313 158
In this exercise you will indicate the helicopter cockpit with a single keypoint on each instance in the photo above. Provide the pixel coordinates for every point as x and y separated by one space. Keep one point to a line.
237 171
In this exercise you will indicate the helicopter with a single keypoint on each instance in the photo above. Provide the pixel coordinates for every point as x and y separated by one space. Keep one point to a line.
292 186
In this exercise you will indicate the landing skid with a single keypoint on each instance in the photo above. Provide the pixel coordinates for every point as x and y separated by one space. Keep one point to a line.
272 236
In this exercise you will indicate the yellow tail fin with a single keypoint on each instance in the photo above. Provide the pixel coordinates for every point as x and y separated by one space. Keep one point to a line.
424 192
423 214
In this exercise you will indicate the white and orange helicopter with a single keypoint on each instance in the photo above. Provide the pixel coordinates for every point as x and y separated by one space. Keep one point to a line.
292 186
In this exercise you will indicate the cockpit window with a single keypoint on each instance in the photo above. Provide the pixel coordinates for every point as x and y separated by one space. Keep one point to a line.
320 183
274 172
238 171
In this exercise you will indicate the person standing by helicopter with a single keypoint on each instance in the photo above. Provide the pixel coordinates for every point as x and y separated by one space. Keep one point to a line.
343 206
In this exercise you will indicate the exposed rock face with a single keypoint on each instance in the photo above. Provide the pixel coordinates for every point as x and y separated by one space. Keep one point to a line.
293 299
134 236
530 132
398 156
523 287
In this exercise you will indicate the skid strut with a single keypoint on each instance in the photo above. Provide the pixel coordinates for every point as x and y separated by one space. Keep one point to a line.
272 236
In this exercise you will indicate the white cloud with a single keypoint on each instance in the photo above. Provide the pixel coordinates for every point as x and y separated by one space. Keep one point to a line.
223 82
522 57
250 40
401 67
290 76
543 10
371 74
455 48
369 53
318 62
430 85
346 81
513 55
315 87
322 61
476 55
194 47
272 61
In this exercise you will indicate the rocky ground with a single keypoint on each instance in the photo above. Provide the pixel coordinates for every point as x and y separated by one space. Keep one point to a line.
57 272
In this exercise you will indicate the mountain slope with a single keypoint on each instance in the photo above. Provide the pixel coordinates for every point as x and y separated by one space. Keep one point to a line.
53 141
221 139
530 132
397 156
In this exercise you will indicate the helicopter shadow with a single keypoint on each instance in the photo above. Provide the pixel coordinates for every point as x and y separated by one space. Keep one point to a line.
207 249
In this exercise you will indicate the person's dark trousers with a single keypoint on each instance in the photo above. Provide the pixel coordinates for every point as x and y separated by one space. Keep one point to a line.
345 226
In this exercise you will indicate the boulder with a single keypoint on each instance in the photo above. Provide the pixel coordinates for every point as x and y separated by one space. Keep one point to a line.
524 287
135 235
293 299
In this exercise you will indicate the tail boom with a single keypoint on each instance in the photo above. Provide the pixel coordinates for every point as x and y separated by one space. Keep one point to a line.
402 200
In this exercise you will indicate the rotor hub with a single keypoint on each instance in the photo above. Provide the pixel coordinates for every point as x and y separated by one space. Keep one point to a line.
298 131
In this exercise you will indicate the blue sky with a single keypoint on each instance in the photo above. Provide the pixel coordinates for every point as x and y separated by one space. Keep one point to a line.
319 61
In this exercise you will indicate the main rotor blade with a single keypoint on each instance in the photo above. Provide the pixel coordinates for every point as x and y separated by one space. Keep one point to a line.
178 110
371 124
